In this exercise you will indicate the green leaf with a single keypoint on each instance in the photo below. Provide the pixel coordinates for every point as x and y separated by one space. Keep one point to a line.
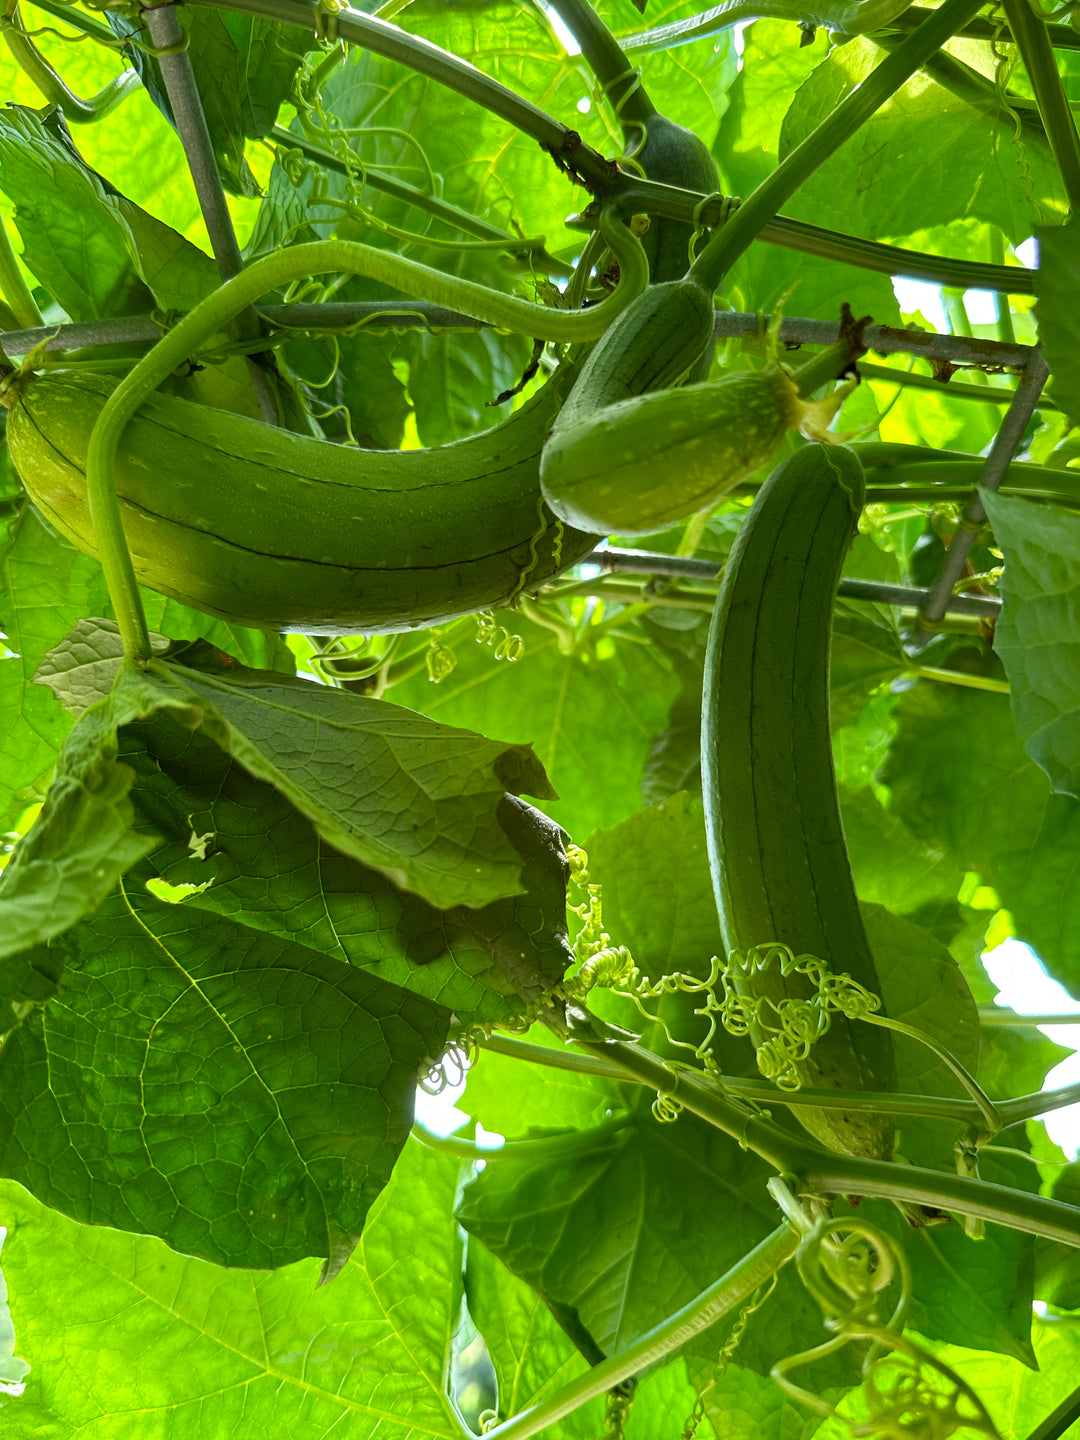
1036 634
234 1352
82 669
92 248
414 799
923 987
46 588
621 1236
243 66
244 851
1057 1267
657 894
976 1293
241 1098
1057 284
82 842
990 807
974 154
891 867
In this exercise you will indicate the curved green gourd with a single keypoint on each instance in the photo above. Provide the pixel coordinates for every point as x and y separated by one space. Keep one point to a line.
268 528
776 845
215 312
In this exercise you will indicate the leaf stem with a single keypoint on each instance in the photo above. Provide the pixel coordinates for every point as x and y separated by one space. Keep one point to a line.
998 1017
719 1299
13 287
958 677
725 247
541 1148
822 1172
179 78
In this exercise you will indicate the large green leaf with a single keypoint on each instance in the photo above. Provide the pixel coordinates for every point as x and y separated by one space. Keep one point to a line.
98 253
414 799
1036 635
215 1353
618 1236
973 153
986 804
242 1098
531 1354
239 848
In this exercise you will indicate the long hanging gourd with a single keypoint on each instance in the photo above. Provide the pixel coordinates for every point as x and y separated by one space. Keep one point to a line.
779 862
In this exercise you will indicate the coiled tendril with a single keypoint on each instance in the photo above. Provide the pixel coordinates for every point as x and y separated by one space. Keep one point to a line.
909 1394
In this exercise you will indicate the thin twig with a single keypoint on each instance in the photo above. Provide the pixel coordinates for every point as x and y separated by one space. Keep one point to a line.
190 118
970 350
1016 421
335 315
884 339
645 562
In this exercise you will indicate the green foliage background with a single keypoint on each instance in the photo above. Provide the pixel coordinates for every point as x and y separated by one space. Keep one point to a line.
203 1102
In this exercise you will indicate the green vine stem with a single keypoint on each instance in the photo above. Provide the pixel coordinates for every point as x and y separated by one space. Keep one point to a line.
995 1016
854 18
731 1290
964 1112
725 247
622 85
821 1172
34 65
551 1147
1033 42
280 268
14 288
